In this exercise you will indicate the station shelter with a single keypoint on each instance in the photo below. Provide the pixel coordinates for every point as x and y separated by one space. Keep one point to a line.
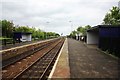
22 36
106 37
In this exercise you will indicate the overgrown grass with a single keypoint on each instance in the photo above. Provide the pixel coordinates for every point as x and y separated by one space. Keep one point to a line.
2 38
113 54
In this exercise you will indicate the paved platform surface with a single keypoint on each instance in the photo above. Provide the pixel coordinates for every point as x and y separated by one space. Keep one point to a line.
61 67
86 62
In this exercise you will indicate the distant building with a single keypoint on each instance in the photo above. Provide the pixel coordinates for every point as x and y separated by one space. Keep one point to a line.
22 36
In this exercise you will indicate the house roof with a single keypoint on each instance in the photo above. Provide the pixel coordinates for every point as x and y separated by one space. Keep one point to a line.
110 26
22 33
96 28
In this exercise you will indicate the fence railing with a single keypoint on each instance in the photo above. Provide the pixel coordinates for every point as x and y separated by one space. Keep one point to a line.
112 45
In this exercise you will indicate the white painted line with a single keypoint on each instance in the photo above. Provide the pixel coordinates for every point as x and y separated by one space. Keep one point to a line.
54 67
1 51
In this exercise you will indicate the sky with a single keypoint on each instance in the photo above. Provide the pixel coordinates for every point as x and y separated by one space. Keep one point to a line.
60 16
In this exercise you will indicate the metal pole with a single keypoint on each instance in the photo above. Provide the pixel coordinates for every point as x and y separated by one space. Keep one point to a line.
71 26
46 32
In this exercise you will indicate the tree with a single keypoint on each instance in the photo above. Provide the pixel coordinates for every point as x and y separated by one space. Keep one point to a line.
73 34
23 29
33 30
87 27
52 34
83 29
113 17
7 28
0 28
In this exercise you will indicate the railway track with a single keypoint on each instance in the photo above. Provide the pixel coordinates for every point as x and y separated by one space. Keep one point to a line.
42 67
12 60
36 66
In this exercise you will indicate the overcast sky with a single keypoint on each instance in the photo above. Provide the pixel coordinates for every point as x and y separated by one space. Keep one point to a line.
54 15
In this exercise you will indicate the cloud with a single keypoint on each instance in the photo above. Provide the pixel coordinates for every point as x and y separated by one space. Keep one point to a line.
58 12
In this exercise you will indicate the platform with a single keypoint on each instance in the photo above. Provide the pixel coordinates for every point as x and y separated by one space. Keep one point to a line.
87 62
76 60
61 68
10 46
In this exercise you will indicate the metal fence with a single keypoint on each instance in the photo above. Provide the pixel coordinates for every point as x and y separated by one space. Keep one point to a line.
109 39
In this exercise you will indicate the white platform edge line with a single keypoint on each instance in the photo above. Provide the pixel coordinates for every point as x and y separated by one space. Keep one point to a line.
54 67
25 45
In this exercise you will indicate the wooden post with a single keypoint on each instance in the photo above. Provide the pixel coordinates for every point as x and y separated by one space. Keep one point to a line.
5 42
19 40
13 41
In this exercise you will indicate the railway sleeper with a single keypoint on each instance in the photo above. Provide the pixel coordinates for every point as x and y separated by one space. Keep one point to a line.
23 55
42 68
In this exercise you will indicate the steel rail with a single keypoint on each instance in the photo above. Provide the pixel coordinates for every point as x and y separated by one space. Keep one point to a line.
53 58
25 54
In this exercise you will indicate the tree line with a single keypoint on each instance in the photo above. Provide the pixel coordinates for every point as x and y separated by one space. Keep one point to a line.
112 17
8 27
80 30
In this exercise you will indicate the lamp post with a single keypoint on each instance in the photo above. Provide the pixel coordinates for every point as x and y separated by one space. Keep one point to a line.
71 26
46 32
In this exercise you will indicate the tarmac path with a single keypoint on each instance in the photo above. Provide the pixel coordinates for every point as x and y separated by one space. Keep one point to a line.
88 62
